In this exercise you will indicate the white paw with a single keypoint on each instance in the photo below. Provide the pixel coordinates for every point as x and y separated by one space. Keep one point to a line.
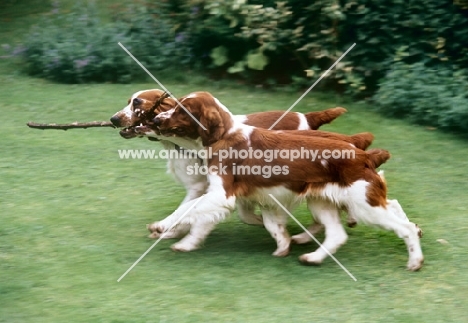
158 231
281 252
154 235
155 227
415 264
183 247
312 259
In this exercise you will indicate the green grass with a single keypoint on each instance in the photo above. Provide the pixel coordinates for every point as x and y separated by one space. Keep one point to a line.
74 214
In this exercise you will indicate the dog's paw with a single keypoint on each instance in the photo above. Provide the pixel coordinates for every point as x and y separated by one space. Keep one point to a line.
155 227
311 259
157 231
281 252
183 247
154 235
415 264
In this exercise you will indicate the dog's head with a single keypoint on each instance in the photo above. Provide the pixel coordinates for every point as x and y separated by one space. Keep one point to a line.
142 107
199 115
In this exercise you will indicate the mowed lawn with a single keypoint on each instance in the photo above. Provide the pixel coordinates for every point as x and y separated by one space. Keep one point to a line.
74 215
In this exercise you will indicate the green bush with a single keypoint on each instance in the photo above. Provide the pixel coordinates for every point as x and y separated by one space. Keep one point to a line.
296 40
79 51
76 47
435 97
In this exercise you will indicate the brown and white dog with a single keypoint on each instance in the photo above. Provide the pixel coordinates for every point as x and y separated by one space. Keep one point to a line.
143 106
325 184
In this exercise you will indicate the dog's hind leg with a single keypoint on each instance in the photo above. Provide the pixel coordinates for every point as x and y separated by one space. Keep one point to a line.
326 213
390 217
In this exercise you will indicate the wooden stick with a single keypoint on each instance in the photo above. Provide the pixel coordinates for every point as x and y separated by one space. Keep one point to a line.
73 125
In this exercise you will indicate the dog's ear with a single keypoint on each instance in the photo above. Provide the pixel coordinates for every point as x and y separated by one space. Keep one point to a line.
164 104
211 119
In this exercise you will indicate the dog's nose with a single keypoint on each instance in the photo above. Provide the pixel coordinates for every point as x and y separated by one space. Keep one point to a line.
115 121
157 122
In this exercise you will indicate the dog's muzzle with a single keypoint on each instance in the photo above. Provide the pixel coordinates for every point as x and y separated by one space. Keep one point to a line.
116 121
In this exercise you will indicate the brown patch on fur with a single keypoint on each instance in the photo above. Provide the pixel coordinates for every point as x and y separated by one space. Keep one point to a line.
266 119
291 120
376 190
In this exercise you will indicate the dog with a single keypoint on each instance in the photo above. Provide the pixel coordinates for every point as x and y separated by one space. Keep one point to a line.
325 184
143 106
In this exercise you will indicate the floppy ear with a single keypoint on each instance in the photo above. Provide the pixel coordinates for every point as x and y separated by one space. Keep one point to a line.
164 105
211 119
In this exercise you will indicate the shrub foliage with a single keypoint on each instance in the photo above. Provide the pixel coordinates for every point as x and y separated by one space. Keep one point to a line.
433 97
296 39
75 47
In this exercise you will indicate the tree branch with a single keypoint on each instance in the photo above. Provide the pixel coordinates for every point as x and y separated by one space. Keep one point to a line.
73 125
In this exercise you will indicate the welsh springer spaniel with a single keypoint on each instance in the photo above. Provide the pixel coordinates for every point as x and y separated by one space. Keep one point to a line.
143 106
325 184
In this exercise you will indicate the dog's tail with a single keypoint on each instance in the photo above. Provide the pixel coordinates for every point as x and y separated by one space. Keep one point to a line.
318 118
377 157
362 140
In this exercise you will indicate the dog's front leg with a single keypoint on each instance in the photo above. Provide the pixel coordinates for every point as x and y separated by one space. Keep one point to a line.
202 214
199 230
195 186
